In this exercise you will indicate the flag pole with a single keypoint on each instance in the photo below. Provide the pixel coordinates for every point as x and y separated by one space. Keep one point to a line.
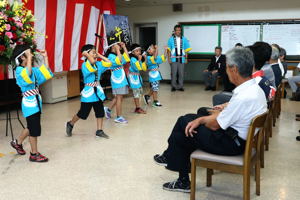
99 32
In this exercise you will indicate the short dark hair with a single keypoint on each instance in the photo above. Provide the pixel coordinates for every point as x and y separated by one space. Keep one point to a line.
177 26
133 46
282 52
218 47
87 47
18 50
238 45
262 52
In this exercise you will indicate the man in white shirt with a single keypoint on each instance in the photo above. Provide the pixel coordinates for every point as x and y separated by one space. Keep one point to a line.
211 133
178 48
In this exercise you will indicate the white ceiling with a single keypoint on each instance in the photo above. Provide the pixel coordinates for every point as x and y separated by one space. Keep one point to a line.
138 3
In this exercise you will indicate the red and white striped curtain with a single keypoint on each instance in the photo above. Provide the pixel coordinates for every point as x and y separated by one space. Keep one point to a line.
67 25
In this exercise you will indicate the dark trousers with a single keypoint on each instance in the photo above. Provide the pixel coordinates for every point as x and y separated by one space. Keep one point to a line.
180 147
210 79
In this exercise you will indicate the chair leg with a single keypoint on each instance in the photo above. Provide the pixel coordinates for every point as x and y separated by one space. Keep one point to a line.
270 126
266 137
246 185
193 180
257 176
209 173
262 156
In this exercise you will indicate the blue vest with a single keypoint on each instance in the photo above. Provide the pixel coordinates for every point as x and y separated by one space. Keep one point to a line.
134 77
118 76
152 63
28 82
184 48
91 74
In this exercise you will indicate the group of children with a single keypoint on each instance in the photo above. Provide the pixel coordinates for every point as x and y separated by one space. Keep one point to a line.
92 96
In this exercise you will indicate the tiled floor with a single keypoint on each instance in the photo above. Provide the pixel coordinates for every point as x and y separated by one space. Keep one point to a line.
85 168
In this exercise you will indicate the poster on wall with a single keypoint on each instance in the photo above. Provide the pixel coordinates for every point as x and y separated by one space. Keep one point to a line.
116 30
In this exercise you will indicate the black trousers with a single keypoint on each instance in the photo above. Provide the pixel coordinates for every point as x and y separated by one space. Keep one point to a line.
180 147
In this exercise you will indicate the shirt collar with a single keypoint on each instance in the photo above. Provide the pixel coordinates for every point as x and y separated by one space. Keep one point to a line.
244 86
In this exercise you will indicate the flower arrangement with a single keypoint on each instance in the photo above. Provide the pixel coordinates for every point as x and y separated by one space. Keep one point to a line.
16 27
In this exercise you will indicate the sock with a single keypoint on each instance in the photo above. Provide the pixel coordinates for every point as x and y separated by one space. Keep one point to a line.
184 177
33 154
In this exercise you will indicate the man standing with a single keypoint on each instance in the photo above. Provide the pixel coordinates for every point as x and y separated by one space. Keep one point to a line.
178 47
214 69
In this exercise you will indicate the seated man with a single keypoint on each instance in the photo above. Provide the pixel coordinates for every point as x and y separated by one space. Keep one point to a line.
214 69
210 133
262 53
293 84
275 66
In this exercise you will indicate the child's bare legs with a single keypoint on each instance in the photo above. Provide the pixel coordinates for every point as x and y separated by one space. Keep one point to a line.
23 136
74 120
113 103
99 123
33 144
119 99
137 102
155 96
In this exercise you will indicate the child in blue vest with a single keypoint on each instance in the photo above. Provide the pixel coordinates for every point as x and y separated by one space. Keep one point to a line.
92 94
118 79
153 60
134 77
29 79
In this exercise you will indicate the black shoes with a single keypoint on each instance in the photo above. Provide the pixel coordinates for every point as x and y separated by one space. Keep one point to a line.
100 133
210 88
160 160
207 88
174 89
178 186
69 128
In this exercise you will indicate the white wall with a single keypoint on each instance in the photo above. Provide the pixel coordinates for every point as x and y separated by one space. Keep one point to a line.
230 10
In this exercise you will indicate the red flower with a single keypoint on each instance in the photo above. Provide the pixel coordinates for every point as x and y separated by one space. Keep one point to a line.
7 6
2 48
14 36
13 28
10 19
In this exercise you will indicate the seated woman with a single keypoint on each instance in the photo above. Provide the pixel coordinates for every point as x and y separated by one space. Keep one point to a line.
210 133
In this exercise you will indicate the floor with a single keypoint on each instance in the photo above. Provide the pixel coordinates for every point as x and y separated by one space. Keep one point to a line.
85 168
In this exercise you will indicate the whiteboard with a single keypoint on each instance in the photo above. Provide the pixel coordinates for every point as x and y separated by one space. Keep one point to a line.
244 34
285 35
203 38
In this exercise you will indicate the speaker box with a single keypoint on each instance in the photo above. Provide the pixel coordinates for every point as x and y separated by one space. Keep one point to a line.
177 7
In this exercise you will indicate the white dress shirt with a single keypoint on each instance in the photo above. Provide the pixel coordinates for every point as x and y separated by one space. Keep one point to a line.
281 67
247 102
178 41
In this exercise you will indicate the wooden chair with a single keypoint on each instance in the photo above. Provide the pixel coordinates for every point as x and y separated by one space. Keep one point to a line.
241 164
218 82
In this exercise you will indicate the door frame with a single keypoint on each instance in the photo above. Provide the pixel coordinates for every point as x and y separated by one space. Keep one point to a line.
137 27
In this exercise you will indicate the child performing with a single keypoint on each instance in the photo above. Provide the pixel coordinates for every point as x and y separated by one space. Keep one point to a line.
92 94
28 79
134 77
118 80
154 75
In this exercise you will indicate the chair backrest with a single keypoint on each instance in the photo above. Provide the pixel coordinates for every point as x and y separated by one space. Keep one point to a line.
254 140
